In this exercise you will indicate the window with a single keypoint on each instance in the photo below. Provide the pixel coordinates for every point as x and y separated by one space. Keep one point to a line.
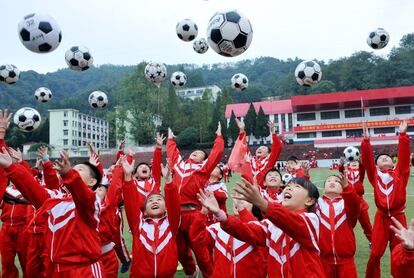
380 111
84 134
354 133
65 114
89 136
290 121
79 135
304 135
84 143
65 123
74 142
384 130
403 109
97 145
65 132
355 113
93 136
410 129
328 115
97 137
65 142
306 117
79 142
332 133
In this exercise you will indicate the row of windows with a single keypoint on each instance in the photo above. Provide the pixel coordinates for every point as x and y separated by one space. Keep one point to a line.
83 143
354 113
85 118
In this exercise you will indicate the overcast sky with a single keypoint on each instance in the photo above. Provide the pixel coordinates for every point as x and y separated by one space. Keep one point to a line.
130 31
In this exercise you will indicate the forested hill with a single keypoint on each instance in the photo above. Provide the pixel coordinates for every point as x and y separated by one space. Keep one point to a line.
267 76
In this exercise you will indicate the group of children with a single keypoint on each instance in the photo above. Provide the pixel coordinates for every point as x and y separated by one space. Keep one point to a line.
66 221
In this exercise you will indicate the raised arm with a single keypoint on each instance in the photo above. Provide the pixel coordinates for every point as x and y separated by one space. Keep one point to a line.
200 233
215 156
172 200
253 233
156 162
403 164
352 204
120 153
276 147
115 188
50 176
367 158
173 154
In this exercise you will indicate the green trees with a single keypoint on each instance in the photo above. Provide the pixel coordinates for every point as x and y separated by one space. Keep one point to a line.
261 130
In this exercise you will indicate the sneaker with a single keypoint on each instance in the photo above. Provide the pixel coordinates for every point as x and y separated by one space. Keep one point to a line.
125 267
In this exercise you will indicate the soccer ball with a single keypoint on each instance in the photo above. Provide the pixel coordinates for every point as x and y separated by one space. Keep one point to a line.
155 72
187 30
9 74
27 119
178 79
286 178
200 46
308 73
39 33
98 99
351 154
229 33
79 58
378 39
239 82
43 94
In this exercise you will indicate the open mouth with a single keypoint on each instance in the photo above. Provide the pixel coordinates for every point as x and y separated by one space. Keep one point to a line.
332 186
145 172
154 207
287 196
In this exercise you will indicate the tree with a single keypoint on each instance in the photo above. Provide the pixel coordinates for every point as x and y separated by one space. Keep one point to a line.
188 138
250 120
407 41
233 128
202 114
143 127
261 130
16 138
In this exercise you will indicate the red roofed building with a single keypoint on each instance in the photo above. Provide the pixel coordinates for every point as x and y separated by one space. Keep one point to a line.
335 119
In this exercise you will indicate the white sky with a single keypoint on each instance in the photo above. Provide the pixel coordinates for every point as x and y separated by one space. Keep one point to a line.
130 31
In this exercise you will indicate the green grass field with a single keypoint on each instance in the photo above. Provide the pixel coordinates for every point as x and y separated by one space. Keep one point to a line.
361 257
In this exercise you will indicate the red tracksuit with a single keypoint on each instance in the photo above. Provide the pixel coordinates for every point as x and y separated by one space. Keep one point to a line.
338 218
154 246
390 197
190 177
403 261
272 194
232 257
120 246
356 179
219 190
72 237
291 239
298 173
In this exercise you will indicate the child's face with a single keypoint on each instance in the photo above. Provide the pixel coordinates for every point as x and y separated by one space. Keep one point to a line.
291 165
333 185
273 180
216 174
85 173
198 156
354 165
262 151
155 206
143 171
101 192
296 197
385 162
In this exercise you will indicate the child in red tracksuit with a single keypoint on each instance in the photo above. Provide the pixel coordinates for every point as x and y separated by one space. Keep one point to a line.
355 176
272 191
338 213
154 231
403 253
72 238
219 189
190 176
232 257
297 169
290 231
390 184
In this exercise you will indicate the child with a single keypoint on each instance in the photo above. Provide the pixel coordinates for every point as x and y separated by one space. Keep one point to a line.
290 231
219 189
403 253
296 169
355 176
390 184
272 186
232 257
190 176
154 231
338 212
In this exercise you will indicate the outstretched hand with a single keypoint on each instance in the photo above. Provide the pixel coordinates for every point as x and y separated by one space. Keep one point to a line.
166 172
16 154
63 166
240 124
42 152
305 166
250 193
208 201
218 131
5 118
5 158
159 139
170 134
121 144
344 179
271 126
365 132
403 127
405 235
128 168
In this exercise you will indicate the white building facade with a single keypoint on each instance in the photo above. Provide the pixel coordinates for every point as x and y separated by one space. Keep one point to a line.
197 92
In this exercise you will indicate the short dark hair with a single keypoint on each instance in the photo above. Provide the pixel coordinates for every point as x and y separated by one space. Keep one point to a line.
292 158
273 170
221 171
381 154
311 188
94 172
203 151
142 163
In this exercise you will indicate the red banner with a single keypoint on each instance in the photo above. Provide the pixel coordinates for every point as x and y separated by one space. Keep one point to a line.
386 123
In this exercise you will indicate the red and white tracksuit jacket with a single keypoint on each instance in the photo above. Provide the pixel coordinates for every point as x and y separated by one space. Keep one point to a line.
298 173
219 190
403 260
338 218
69 250
154 240
355 178
272 194
291 239
390 198
232 257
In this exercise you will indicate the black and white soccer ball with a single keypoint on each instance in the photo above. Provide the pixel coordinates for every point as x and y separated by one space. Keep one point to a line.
229 33
39 33
79 58
239 82
155 72
308 73
178 79
43 94
27 119
98 99
286 177
9 74
200 45
378 38
351 154
187 30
